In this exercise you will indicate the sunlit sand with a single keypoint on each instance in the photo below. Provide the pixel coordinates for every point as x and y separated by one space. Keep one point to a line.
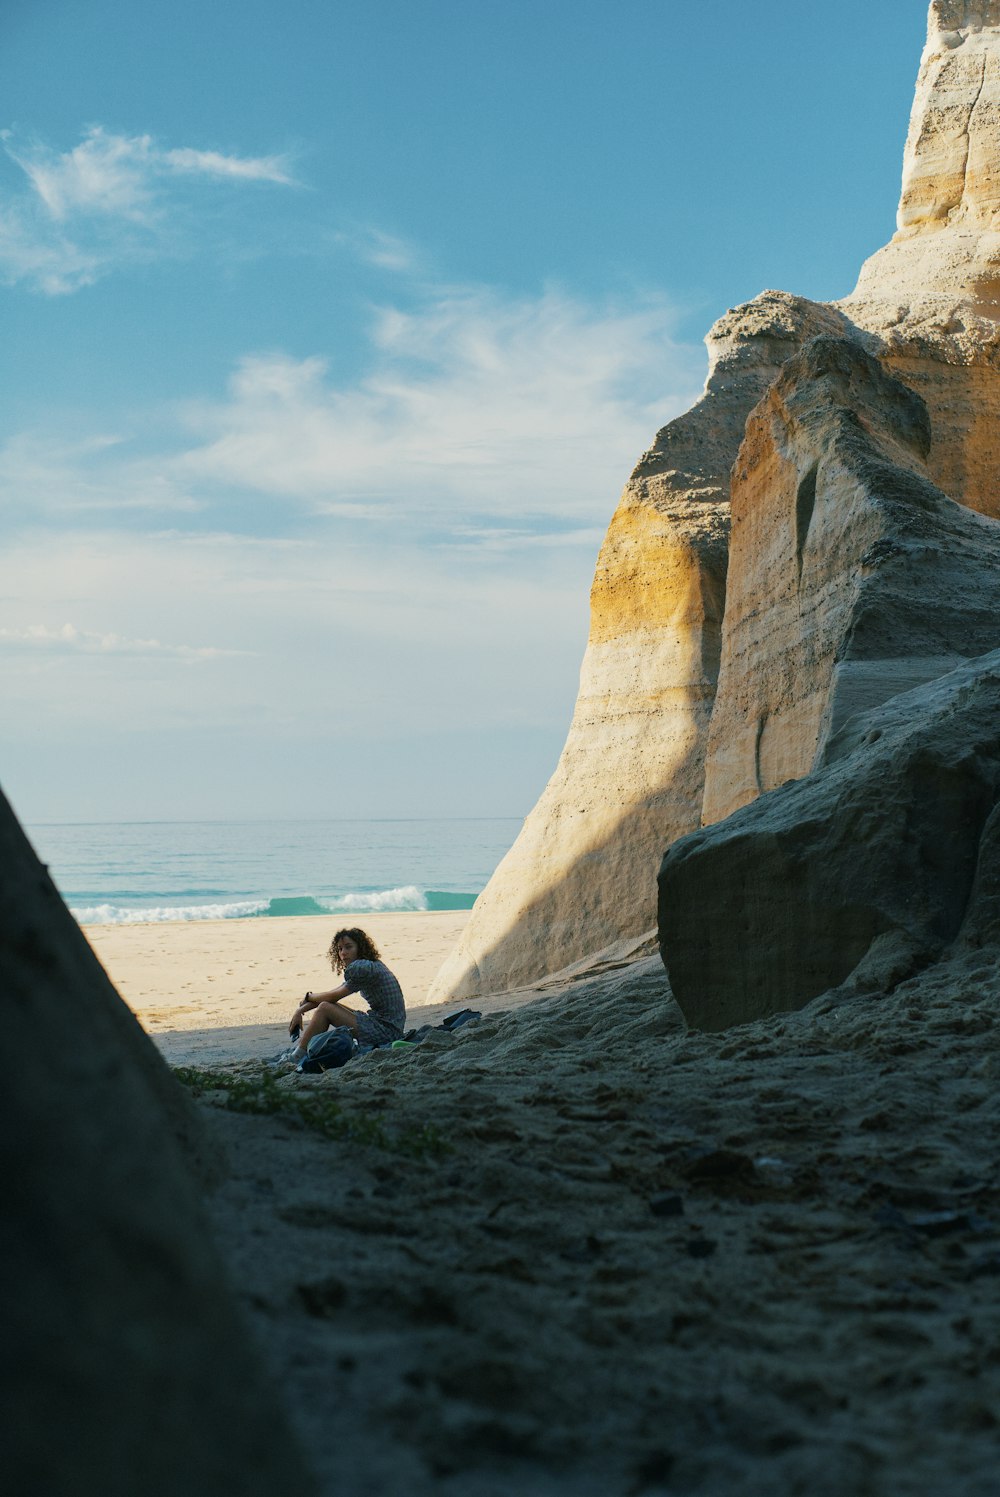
216 985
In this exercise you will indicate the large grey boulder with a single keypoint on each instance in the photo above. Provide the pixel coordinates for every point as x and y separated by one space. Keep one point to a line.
854 877
125 1368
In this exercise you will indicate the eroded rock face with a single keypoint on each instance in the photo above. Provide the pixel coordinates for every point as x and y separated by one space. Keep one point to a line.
853 878
946 247
851 576
126 1368
932 295
581 874
847 628
951 173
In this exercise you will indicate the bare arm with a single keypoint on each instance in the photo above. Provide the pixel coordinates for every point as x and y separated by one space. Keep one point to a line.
312 1000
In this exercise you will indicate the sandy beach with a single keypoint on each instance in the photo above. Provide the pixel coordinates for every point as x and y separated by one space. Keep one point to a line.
211 991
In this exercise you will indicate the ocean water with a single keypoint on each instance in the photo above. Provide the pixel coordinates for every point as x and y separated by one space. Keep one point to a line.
207 870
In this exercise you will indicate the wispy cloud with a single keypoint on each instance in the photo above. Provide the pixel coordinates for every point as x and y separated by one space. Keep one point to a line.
386 251
477 420
117 175
67 637
187 162
44 473
414 532
472 405
219 629
481 538
81 212
43 257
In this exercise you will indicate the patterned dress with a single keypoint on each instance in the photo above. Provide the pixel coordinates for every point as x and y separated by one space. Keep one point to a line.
386 1014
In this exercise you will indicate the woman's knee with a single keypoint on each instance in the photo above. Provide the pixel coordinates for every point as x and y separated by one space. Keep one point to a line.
337 1014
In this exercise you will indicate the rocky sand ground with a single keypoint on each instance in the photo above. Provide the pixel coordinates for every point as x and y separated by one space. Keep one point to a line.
628 1258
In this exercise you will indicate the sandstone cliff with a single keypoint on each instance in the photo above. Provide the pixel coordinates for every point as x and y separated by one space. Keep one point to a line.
851 577
932 295
632 776
580 875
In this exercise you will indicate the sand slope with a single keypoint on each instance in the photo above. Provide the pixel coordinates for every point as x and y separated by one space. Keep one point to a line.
652 1261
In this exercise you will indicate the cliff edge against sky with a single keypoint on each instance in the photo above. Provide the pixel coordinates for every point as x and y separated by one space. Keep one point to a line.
650 722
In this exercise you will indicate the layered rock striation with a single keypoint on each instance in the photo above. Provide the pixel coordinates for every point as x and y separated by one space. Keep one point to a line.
841 525
581 874
945 249
931 297
851 576
854 576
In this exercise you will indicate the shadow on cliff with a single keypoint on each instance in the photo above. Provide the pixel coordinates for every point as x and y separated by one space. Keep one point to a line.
550 934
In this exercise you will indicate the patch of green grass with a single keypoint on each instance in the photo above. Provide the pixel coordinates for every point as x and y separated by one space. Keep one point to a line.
258 1092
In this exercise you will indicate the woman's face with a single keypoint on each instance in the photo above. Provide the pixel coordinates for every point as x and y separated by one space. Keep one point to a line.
347 950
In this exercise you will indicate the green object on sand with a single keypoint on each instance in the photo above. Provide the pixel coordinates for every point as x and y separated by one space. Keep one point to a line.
403 1045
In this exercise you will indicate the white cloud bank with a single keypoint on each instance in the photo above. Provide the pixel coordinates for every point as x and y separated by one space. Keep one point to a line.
473 405
107 201
477 420
314 565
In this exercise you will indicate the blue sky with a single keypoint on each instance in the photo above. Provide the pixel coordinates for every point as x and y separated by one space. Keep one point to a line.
331 334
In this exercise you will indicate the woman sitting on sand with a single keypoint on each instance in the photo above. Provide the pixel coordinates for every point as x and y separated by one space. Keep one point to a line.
355 954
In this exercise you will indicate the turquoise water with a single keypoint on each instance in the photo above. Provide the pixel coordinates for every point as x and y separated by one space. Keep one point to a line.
121 872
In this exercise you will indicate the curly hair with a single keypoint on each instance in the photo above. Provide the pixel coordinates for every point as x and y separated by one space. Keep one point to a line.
367 950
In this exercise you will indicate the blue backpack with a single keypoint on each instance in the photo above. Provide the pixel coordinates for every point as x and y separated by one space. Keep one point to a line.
328 1051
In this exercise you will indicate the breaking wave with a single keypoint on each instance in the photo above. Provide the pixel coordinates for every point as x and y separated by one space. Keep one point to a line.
379 901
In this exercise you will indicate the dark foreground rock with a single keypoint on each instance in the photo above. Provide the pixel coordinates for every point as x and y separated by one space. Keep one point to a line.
126 1369
853 878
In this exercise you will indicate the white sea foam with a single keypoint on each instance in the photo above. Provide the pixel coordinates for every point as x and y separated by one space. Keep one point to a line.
409 897
328 869
115 914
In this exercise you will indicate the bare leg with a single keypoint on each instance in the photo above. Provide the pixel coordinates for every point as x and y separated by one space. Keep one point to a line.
325 1015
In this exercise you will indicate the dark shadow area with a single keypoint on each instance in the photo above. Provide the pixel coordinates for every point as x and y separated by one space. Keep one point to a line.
121 1332
544 935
